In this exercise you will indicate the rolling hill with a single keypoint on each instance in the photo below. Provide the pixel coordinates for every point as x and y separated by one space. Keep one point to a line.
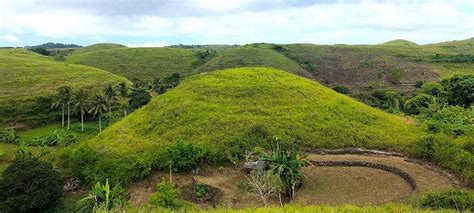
250 57
217 110
399 42
143 63
98 47
29 77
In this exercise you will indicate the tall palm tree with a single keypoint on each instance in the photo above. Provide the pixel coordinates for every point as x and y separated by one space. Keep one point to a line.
81 103
122 90
110 96
98 107
64 99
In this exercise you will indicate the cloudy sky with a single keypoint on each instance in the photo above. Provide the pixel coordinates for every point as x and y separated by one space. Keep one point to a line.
165 22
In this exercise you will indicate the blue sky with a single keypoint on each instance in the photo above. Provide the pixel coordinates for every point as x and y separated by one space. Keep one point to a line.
165 22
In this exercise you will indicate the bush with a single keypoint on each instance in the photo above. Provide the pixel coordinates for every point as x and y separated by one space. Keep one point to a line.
182 156
460 90
432 88
341 89
30 185
9 136
166 196
58 138
415 105
453 199
102 197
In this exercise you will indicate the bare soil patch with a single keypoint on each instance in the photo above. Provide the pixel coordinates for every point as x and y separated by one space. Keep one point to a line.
325 185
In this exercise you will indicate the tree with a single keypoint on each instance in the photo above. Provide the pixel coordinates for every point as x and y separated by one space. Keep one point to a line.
110 96
460 89
415 105
432 88
264 184
286 163
30 185
64 99
81 103
98 107
122 90
138 98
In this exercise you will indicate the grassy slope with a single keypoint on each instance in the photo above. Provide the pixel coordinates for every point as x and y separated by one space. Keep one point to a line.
359 66
97 47
214 109
399 42
143 63
248 57
27 76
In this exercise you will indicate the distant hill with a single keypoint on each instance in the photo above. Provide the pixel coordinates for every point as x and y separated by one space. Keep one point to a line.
143 63
28 78
217 110
399 42
98 47
51 45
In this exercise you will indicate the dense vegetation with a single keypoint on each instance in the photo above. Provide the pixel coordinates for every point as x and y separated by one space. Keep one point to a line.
219 112
29 79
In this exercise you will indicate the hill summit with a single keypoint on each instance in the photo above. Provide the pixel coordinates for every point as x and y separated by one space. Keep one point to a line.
399 42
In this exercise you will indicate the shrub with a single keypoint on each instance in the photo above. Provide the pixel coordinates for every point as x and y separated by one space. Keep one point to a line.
200 190
138 98
9 136
415 105
341 89
29 185
166 196
102 197
432 88
453 199
58 138
182 156
460 89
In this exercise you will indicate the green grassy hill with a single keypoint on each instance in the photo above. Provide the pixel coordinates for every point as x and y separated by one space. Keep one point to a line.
399 42
98 47
248 57
142 63
28 77
218 110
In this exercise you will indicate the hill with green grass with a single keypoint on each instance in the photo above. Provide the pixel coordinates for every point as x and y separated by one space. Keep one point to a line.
399 42
98 47
28 78
143 63
219 111
250 57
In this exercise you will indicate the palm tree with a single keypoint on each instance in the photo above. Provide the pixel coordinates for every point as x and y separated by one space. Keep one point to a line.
81 101
64 99
57 103
110 96
98 107
122 89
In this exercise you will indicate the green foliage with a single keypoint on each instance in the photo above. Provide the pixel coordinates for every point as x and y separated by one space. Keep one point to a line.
460 89
448 155
161 86
40 50
200 190
341 89
286 163
58 138
182 156
382 99
453 199
458 58
138 98
432 88
9 135
167 195
417 104
29 185
453 120
102 197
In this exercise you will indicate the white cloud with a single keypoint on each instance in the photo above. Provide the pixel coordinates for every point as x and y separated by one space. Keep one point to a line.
149 44
365 21
10 38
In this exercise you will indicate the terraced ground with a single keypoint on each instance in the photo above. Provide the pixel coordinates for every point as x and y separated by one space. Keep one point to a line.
28 78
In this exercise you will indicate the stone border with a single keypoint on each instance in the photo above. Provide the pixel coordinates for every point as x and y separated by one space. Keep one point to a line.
408 178
353 151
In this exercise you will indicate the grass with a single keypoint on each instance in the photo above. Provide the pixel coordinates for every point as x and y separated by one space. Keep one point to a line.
91 128
250 57
143 63
399 42
216 110
97 47
27 77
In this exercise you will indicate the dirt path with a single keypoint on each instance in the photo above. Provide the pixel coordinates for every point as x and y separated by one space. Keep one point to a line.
325 185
